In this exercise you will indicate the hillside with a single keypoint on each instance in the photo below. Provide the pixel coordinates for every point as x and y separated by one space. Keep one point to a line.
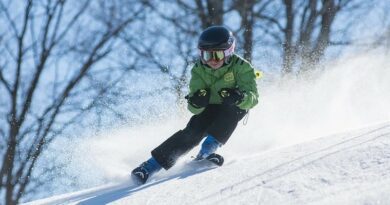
348 168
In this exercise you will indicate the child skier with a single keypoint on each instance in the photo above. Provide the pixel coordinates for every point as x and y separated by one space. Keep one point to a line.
221 91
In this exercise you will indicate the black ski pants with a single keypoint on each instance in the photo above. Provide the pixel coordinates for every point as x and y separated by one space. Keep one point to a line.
217 120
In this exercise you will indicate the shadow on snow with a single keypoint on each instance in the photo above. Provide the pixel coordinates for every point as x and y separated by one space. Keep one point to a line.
117 194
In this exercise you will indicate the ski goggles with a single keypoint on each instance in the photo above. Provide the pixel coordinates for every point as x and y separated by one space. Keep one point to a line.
209 55
217 55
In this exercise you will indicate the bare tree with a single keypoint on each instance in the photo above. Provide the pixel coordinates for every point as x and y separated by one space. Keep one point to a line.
304 28
248 10
52 72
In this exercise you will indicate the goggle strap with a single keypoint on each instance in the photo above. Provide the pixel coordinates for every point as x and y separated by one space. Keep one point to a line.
229 51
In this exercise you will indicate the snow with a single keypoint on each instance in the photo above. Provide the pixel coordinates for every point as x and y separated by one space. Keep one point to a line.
322 141
346 168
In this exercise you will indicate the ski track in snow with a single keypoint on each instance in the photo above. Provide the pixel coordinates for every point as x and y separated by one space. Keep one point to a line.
347 168
295 165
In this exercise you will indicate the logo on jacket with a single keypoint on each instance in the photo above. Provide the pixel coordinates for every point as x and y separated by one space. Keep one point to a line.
228 77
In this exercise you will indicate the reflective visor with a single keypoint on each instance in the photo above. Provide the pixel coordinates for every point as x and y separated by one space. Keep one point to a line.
208 55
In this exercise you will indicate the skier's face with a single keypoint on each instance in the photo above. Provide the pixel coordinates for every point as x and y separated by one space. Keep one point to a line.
214 63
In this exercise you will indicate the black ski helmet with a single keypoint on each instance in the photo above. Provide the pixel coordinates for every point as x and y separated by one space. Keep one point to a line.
216 38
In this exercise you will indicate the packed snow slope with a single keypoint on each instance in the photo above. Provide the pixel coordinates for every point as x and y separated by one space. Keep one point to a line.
346 168
312 139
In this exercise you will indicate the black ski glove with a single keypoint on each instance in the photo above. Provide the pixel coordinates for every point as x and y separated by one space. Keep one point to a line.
231 96
199 99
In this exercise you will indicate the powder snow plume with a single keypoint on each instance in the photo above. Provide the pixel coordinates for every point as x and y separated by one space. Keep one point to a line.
351 92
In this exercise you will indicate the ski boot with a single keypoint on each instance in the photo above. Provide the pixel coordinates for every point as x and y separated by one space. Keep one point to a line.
141 174
207 151
213 158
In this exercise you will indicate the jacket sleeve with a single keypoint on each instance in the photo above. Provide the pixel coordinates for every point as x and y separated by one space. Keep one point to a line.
246 81
196 83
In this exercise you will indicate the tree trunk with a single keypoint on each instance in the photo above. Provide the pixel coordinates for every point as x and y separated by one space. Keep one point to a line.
288 47
211 13
328 16
247 25
215 10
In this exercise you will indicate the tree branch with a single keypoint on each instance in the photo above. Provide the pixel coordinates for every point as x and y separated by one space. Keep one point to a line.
272 20
4 81
8 16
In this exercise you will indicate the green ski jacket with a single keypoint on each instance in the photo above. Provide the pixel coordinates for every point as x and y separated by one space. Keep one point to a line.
239 73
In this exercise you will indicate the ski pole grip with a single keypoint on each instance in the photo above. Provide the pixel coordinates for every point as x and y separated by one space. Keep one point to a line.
202 92
224 93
